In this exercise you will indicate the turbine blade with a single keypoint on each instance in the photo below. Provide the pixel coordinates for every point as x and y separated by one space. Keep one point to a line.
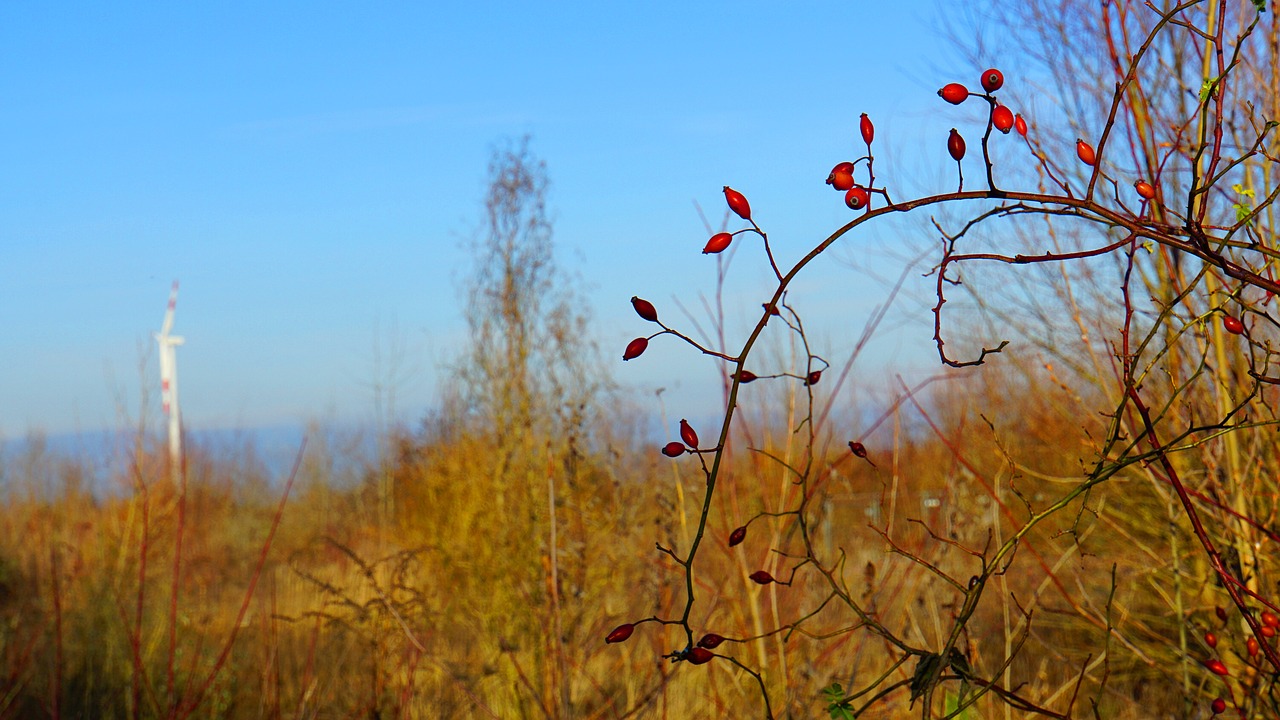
168 314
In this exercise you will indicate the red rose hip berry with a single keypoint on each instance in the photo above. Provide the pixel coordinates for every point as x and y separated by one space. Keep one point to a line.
737 536
954 93
857 198
698 656
1084 151
1144 190
1002 119
710 641
737 203
717 243
840 180
635 348
644 309
673 449
1232 324
687 434
844 168
620 633
1020 125
955 145
866 128
1218 706
992 80
761 577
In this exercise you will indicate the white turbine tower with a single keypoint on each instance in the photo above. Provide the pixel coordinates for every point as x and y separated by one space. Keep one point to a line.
169 382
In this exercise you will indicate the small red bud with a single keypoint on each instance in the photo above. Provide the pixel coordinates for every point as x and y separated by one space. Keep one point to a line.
717 243
857 198
1002 119
1222 614
1218 706
635 348
1269 619
992 80
868 130
737 536
698 656
762 577
744 376
687 434
673 449
1020 125
710 641
955 145
1084 151
737 203
954 93
1211 640
1232 324
858 449
1145 191
620 633
1252 646
1217 667
644 309
813 377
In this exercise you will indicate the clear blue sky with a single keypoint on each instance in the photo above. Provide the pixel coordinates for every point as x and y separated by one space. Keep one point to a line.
311 173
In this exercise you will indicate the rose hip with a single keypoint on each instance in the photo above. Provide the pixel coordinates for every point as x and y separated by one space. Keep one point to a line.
620 633
717 243
710 641
737 203
857 198
992 80
1084 151
698 656
1002 119
954 93
955 145
644 309
635 348
673 449
687 434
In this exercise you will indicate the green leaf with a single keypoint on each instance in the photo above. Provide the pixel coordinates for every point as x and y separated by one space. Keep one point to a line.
837 705
1206 88
1243 209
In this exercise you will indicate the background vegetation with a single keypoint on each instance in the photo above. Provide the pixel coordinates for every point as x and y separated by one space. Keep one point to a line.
1080 527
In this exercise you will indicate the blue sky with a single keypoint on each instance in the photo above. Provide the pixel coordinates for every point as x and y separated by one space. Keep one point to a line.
311 174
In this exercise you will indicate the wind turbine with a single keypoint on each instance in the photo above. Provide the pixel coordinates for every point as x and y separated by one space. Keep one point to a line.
169 382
